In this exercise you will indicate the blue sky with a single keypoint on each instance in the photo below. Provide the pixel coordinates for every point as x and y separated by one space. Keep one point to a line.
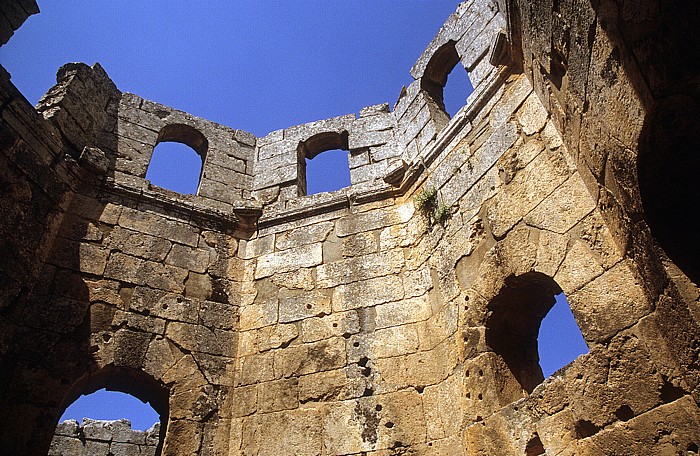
253 65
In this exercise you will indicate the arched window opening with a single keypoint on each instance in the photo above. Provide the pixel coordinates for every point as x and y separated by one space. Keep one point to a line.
112 405
513 327
177 160
323 163
669 186
446 81
116 393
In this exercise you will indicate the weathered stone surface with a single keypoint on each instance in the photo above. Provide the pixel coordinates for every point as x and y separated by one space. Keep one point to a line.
364 321
288 260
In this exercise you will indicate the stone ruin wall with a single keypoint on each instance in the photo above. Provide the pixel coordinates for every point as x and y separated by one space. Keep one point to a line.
257 320
95 437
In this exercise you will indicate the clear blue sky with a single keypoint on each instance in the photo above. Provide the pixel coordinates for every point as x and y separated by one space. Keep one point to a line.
253 65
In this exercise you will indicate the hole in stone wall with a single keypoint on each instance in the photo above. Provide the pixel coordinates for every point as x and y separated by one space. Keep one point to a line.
114 393
513 328
446 81
112 405
176 163
534 446
327 172
175 166
323 163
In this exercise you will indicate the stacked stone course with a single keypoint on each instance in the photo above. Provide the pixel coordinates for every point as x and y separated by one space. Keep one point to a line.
258 320
103 437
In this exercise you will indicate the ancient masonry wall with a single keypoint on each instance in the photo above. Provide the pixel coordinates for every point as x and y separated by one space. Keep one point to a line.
96 437
397 316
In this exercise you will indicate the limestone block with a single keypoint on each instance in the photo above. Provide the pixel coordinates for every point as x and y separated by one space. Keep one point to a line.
287 148
394 341
361 139
278 395
405 311
259 314
304 359
565 207
301 428
516 91
489 436
253 369
68 428
183 437
374 110
288 260
358 158
532 115
579 267
349 428
303 235
359 268
367 221
218 315
527 189
170 306
303 132
244 400
80 256
399 236
488 386
440 326
138 244
162 355
139 322
64 445
275 176
611 302
198 286
443 405
328 386
360 244
422 368
517 252
303 305
201 339
258 246
367 293
668 429
336 324
159 226
391 152
551 249
557 432
276 336
301 279
271 137
196 260
401 419
596 234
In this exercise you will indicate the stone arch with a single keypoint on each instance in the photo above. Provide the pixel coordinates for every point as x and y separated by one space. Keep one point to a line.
667 166
315 145
184 134
513 324
437 70
131 381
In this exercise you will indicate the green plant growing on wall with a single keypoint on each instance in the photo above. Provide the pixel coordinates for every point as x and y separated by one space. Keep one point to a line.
427 203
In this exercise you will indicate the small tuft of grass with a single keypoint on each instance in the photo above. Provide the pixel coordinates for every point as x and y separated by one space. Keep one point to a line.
427 202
